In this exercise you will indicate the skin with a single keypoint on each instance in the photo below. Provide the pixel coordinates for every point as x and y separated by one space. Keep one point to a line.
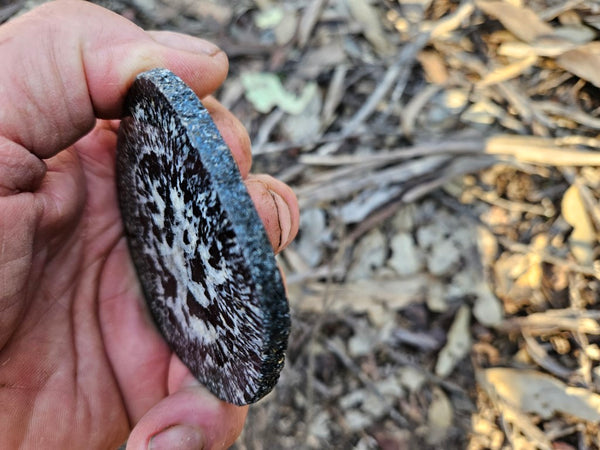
81 364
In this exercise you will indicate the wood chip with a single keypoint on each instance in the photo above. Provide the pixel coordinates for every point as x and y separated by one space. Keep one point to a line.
523 22
368 17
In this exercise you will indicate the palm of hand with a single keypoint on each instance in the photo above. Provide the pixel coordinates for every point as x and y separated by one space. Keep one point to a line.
99 362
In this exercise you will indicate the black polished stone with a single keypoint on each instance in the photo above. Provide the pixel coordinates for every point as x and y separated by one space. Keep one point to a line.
202 255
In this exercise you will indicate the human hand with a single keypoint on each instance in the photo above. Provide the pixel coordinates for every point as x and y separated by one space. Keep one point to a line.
81 363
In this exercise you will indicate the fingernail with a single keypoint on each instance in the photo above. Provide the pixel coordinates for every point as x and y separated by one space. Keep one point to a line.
273 209
182 437
284 217
184 42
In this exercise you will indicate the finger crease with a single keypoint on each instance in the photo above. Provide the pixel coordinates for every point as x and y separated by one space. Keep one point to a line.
273 196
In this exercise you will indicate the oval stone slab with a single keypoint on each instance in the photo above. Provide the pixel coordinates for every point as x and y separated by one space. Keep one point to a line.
199 247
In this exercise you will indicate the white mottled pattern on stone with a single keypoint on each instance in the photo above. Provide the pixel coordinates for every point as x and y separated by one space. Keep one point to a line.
202 257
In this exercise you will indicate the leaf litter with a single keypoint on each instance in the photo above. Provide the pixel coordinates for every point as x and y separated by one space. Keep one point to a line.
445 283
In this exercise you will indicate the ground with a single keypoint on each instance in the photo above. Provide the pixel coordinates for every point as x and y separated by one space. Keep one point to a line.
444 287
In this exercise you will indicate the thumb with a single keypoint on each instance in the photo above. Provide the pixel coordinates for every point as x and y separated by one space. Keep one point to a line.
190 417
82 63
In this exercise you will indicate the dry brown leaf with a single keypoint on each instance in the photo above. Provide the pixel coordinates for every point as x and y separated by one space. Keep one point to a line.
368 257
369 18
322 58
335 93
308 21
219 12
363 295
439 417
522 22
286 29
583 62
532 391
436 296
487 309
558 43
516 277
576 33
406 259
583 238
458 345
309 246
444 258
552 47
561 40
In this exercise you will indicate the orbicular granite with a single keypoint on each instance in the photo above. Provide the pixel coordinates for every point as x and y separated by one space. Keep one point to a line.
202 255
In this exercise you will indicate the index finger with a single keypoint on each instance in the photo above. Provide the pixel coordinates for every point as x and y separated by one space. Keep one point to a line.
80 69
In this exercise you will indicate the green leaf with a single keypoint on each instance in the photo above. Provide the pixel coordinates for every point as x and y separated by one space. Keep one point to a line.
265 91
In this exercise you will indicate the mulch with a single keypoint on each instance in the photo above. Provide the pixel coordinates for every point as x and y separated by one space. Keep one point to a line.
444 286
